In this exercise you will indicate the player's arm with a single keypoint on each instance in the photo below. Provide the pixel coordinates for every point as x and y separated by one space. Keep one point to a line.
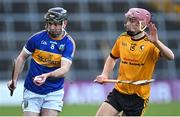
58 73
18 66
164 50
61 72
107 70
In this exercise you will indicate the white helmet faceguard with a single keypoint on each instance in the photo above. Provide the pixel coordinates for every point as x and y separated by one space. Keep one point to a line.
142 15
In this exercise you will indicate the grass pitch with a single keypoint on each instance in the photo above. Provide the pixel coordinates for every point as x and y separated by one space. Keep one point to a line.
163 109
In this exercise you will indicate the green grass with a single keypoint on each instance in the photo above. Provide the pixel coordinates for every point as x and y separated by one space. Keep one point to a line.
164 109
79 110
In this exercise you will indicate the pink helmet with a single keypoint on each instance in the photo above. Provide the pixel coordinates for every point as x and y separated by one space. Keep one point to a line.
139 13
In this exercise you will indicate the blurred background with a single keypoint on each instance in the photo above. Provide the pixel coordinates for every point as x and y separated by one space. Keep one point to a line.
94 25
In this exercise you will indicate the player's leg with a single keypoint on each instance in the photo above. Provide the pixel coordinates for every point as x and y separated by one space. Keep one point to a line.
31 103
112 106
49 112
30 114
53 103
107 110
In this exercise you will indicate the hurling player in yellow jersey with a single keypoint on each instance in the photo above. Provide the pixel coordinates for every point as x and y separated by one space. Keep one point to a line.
138 53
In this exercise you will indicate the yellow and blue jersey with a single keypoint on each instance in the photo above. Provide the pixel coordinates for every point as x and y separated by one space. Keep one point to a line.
47 54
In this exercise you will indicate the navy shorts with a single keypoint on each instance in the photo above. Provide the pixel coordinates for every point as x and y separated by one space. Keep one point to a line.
131 105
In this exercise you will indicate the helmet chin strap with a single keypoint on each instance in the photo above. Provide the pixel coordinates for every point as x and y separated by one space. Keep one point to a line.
131 33
63 25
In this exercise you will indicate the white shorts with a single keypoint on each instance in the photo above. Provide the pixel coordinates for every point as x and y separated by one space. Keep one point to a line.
33 102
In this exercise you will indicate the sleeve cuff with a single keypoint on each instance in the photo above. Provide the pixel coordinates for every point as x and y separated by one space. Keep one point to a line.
65 59
113 56
27 51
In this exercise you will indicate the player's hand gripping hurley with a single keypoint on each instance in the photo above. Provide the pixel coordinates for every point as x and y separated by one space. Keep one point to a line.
139 82
11 84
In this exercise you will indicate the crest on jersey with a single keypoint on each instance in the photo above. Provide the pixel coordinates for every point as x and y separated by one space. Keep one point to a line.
61 47
142 47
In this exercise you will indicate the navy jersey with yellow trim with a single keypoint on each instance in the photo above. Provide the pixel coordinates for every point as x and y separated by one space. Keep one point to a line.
47 55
